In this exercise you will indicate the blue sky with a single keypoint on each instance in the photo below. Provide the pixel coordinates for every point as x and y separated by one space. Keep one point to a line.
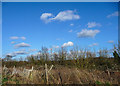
29 26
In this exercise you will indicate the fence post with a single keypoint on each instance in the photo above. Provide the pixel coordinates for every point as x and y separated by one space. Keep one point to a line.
46 73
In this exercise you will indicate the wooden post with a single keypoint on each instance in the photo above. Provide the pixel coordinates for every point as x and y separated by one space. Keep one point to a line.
30 72
46 73
5 69
14 71
50 68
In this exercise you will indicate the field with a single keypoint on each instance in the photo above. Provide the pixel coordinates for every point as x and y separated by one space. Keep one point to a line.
65 73
70 69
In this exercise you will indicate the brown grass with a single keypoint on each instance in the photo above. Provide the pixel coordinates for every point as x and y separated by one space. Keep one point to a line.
64 75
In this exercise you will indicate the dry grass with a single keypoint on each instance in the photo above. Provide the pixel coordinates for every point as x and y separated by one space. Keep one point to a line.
62 75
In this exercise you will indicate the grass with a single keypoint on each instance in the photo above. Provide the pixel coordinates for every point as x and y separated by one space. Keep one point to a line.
63 75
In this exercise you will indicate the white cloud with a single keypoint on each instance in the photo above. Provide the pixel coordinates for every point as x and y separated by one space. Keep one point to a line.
12 42
45 17
23 38
71 24
93 24
68 44
94 44
110 41
61 16
22 45
21 52
113 14
66 15
16 37
87 33
70 31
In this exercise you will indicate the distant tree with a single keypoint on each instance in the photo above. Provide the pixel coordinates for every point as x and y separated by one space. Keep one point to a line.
62 55
8 58
31 59
82 53
89 54
116 56
56 58
103 53
21 59
116 53
44 54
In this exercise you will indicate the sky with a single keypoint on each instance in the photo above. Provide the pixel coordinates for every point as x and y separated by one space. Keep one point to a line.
26 27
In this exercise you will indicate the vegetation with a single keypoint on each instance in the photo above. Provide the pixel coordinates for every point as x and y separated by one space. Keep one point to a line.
76 60
82 58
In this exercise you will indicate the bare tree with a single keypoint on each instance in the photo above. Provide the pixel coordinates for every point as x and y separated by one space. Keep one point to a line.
56 58
103 53
45 54
62 54
90 54
82 53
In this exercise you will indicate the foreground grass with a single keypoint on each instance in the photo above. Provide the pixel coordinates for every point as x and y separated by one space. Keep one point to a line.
64 75
80 71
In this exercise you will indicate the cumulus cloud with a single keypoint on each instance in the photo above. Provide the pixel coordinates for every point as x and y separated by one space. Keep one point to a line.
94 44
70 31
68 44
45 17
16 37
110 41
21 52
61 16
12 42
71 24
23 38
87 33
93 24
66 15
113 14
22 45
